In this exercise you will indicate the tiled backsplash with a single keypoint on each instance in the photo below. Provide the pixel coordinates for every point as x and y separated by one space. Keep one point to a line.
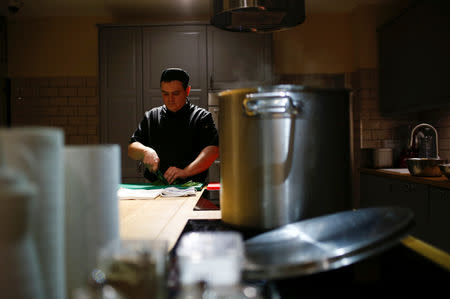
377 131
370 128
71 103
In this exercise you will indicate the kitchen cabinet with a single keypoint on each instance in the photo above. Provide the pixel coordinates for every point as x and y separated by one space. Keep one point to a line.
237 59
439 221
133 57
120 89
380 191
174 46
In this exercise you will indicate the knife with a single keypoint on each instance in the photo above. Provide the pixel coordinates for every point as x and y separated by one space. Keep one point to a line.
160 177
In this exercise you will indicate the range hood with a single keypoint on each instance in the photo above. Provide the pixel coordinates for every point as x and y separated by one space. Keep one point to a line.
257 15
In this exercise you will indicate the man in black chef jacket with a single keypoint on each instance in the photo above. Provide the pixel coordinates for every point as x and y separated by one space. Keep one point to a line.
178 138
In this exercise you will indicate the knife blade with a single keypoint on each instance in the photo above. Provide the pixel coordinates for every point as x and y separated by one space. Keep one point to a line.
160 177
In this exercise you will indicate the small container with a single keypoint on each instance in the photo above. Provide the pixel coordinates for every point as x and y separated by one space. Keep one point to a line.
135 268
382 157
200 255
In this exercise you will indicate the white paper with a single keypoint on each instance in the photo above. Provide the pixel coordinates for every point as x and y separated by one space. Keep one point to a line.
92 176
37 152
124 193
175 192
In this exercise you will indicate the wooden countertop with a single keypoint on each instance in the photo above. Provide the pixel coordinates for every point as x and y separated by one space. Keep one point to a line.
403 174
162 218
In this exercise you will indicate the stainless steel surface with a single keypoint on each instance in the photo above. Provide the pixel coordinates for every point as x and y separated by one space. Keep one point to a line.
257 15
284 154
213 98
445 170
324 243
426 144
213 108
427 167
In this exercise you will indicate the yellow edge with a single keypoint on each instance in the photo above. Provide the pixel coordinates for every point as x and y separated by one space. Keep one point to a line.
434 254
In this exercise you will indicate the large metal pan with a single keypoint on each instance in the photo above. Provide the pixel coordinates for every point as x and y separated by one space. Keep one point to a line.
325 242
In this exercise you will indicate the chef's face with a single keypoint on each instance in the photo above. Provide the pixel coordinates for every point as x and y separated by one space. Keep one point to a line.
174 95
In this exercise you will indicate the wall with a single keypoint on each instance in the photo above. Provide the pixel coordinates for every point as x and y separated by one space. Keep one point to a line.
70 103
53 66
322 44
53 46
328 50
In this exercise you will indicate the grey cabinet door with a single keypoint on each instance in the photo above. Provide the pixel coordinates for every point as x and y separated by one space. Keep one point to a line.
237 59
120 71
414 196
439 227
174 46
380 191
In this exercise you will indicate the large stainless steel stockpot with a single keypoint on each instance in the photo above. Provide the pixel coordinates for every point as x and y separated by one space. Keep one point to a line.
285 154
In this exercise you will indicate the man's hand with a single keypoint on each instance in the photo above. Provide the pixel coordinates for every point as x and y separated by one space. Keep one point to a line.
172 173
151 159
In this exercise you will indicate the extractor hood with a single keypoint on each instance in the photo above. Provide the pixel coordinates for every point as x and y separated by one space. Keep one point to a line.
257 15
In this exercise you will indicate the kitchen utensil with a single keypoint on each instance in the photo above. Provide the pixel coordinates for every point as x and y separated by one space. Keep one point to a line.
445 169
427 167
382 157
284 154
161 177
200 252
324 243
424 139
136 268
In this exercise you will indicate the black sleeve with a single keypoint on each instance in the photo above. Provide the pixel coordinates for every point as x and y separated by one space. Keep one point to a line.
208 131
142 132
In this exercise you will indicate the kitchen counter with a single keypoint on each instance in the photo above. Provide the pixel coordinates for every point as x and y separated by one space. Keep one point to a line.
403 174
409 261
162 218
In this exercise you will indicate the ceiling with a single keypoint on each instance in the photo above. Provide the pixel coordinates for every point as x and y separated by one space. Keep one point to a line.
178 9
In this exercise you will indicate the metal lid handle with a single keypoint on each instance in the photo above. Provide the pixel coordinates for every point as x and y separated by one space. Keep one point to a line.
269 104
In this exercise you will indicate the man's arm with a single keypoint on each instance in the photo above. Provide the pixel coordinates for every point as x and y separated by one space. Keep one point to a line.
203 161
148 156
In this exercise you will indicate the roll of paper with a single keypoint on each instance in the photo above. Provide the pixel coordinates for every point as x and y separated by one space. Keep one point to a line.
37 152
92 178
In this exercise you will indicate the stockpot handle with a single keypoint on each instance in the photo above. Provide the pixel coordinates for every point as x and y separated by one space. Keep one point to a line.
269 103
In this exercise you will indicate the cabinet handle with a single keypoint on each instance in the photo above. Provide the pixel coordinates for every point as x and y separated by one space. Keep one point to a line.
407 187
444 195
211 81
410 188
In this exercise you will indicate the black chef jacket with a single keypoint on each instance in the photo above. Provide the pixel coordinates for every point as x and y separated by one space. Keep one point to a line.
177 137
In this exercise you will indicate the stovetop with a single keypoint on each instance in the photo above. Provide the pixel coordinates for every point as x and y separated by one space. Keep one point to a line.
399 268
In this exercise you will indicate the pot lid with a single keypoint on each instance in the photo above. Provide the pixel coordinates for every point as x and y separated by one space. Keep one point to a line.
325 242
257 15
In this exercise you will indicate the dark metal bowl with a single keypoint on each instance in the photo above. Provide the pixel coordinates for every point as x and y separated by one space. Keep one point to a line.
445 169
428 167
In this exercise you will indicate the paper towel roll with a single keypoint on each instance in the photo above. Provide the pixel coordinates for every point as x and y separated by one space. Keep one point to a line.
37 152
92 176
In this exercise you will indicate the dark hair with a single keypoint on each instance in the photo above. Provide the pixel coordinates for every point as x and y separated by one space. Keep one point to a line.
171 74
